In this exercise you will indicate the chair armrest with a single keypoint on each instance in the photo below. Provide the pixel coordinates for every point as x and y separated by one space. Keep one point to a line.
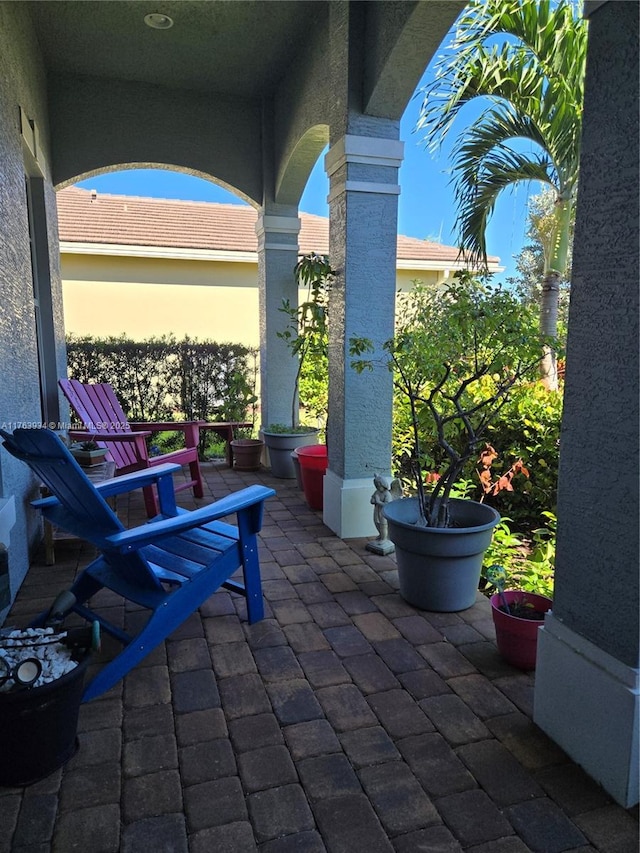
118 485
163 426
132 540
190 429
109 436
136 479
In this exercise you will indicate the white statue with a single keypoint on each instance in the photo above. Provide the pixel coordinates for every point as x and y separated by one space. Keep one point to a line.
387 490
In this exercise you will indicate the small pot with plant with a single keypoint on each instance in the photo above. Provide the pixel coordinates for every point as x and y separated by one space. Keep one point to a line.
456 355
246 450
306 336
517 616
88 453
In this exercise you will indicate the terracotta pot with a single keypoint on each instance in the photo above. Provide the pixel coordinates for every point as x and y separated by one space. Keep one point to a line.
247 453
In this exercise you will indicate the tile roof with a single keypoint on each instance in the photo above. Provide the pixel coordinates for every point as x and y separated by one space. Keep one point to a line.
85 217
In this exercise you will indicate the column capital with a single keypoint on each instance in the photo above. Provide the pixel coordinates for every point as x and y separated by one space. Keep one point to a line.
368 150
286 227
277 224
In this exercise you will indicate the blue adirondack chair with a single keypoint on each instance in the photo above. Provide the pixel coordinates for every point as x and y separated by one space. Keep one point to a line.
170 565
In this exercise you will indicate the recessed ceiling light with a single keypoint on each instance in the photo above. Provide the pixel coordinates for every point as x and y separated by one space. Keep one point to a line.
158 21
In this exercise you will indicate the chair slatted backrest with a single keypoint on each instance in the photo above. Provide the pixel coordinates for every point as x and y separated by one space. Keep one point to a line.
82 510
99 410
47 457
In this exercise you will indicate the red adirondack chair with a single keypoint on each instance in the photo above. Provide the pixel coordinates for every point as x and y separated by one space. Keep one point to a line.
98 409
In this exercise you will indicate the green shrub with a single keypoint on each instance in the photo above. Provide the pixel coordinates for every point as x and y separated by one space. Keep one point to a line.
165 379
528 565
143 373
529 429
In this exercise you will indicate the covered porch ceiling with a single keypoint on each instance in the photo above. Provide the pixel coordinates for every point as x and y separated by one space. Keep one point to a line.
240 49
261 85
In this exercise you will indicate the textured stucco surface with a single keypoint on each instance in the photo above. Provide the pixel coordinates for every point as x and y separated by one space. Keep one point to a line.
596 591
22 84
99 124
276 282
362 249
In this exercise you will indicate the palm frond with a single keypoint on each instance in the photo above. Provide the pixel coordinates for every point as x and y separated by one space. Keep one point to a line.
532 81
484 169
546 61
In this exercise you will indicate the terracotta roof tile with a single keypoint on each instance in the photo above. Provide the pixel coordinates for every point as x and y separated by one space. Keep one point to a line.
130 220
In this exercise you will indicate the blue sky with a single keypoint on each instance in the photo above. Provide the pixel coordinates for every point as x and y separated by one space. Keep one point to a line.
426 208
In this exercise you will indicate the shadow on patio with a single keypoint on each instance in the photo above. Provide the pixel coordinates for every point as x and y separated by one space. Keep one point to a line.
345 721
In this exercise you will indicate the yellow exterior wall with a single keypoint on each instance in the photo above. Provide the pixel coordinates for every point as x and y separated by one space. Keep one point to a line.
149 297
406 278
144 297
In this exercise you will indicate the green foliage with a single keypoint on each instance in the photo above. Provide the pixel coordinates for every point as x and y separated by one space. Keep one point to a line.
314 386
529 428
526 59
531 263
456 357
165 379
306 332
142 373
285 429
527 566
217 381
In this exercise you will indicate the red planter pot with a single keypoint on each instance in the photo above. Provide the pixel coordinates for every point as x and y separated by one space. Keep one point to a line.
517 638
313 465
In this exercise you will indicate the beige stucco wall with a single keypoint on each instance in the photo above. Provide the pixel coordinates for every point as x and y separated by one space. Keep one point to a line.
144 297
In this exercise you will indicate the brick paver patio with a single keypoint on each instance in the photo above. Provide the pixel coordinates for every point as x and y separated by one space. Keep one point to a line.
346 721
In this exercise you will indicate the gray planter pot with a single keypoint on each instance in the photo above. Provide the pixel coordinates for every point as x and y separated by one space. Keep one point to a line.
280 445
439 568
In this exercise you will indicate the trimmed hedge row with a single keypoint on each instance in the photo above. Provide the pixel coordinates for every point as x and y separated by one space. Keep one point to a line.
166 379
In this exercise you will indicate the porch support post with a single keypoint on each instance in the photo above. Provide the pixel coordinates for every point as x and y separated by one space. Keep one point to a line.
587 686
277 229
363 211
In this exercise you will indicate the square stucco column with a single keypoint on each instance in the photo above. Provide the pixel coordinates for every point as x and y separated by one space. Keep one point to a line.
363 215
587 688
277 257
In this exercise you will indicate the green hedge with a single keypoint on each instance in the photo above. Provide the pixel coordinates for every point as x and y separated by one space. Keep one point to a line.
166 379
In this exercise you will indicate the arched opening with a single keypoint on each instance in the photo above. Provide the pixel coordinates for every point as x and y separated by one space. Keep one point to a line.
152 252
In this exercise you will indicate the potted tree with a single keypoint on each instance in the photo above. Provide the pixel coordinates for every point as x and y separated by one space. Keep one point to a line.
456 355
306 336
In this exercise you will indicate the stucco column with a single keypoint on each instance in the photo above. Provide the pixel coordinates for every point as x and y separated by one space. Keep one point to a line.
587 687
363 211
277 231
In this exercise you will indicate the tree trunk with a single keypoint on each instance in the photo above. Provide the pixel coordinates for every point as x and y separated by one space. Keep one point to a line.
555 254
549 328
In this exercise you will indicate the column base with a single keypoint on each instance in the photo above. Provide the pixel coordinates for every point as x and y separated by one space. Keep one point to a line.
588 702
347 506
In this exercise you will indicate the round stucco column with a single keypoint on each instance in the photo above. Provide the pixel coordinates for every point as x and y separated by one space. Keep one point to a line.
363 219
277 257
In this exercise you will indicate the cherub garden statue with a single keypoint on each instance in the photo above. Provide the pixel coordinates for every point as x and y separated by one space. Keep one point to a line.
387 490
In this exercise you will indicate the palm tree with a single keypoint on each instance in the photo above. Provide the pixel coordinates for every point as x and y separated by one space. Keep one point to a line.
530 260
527 58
